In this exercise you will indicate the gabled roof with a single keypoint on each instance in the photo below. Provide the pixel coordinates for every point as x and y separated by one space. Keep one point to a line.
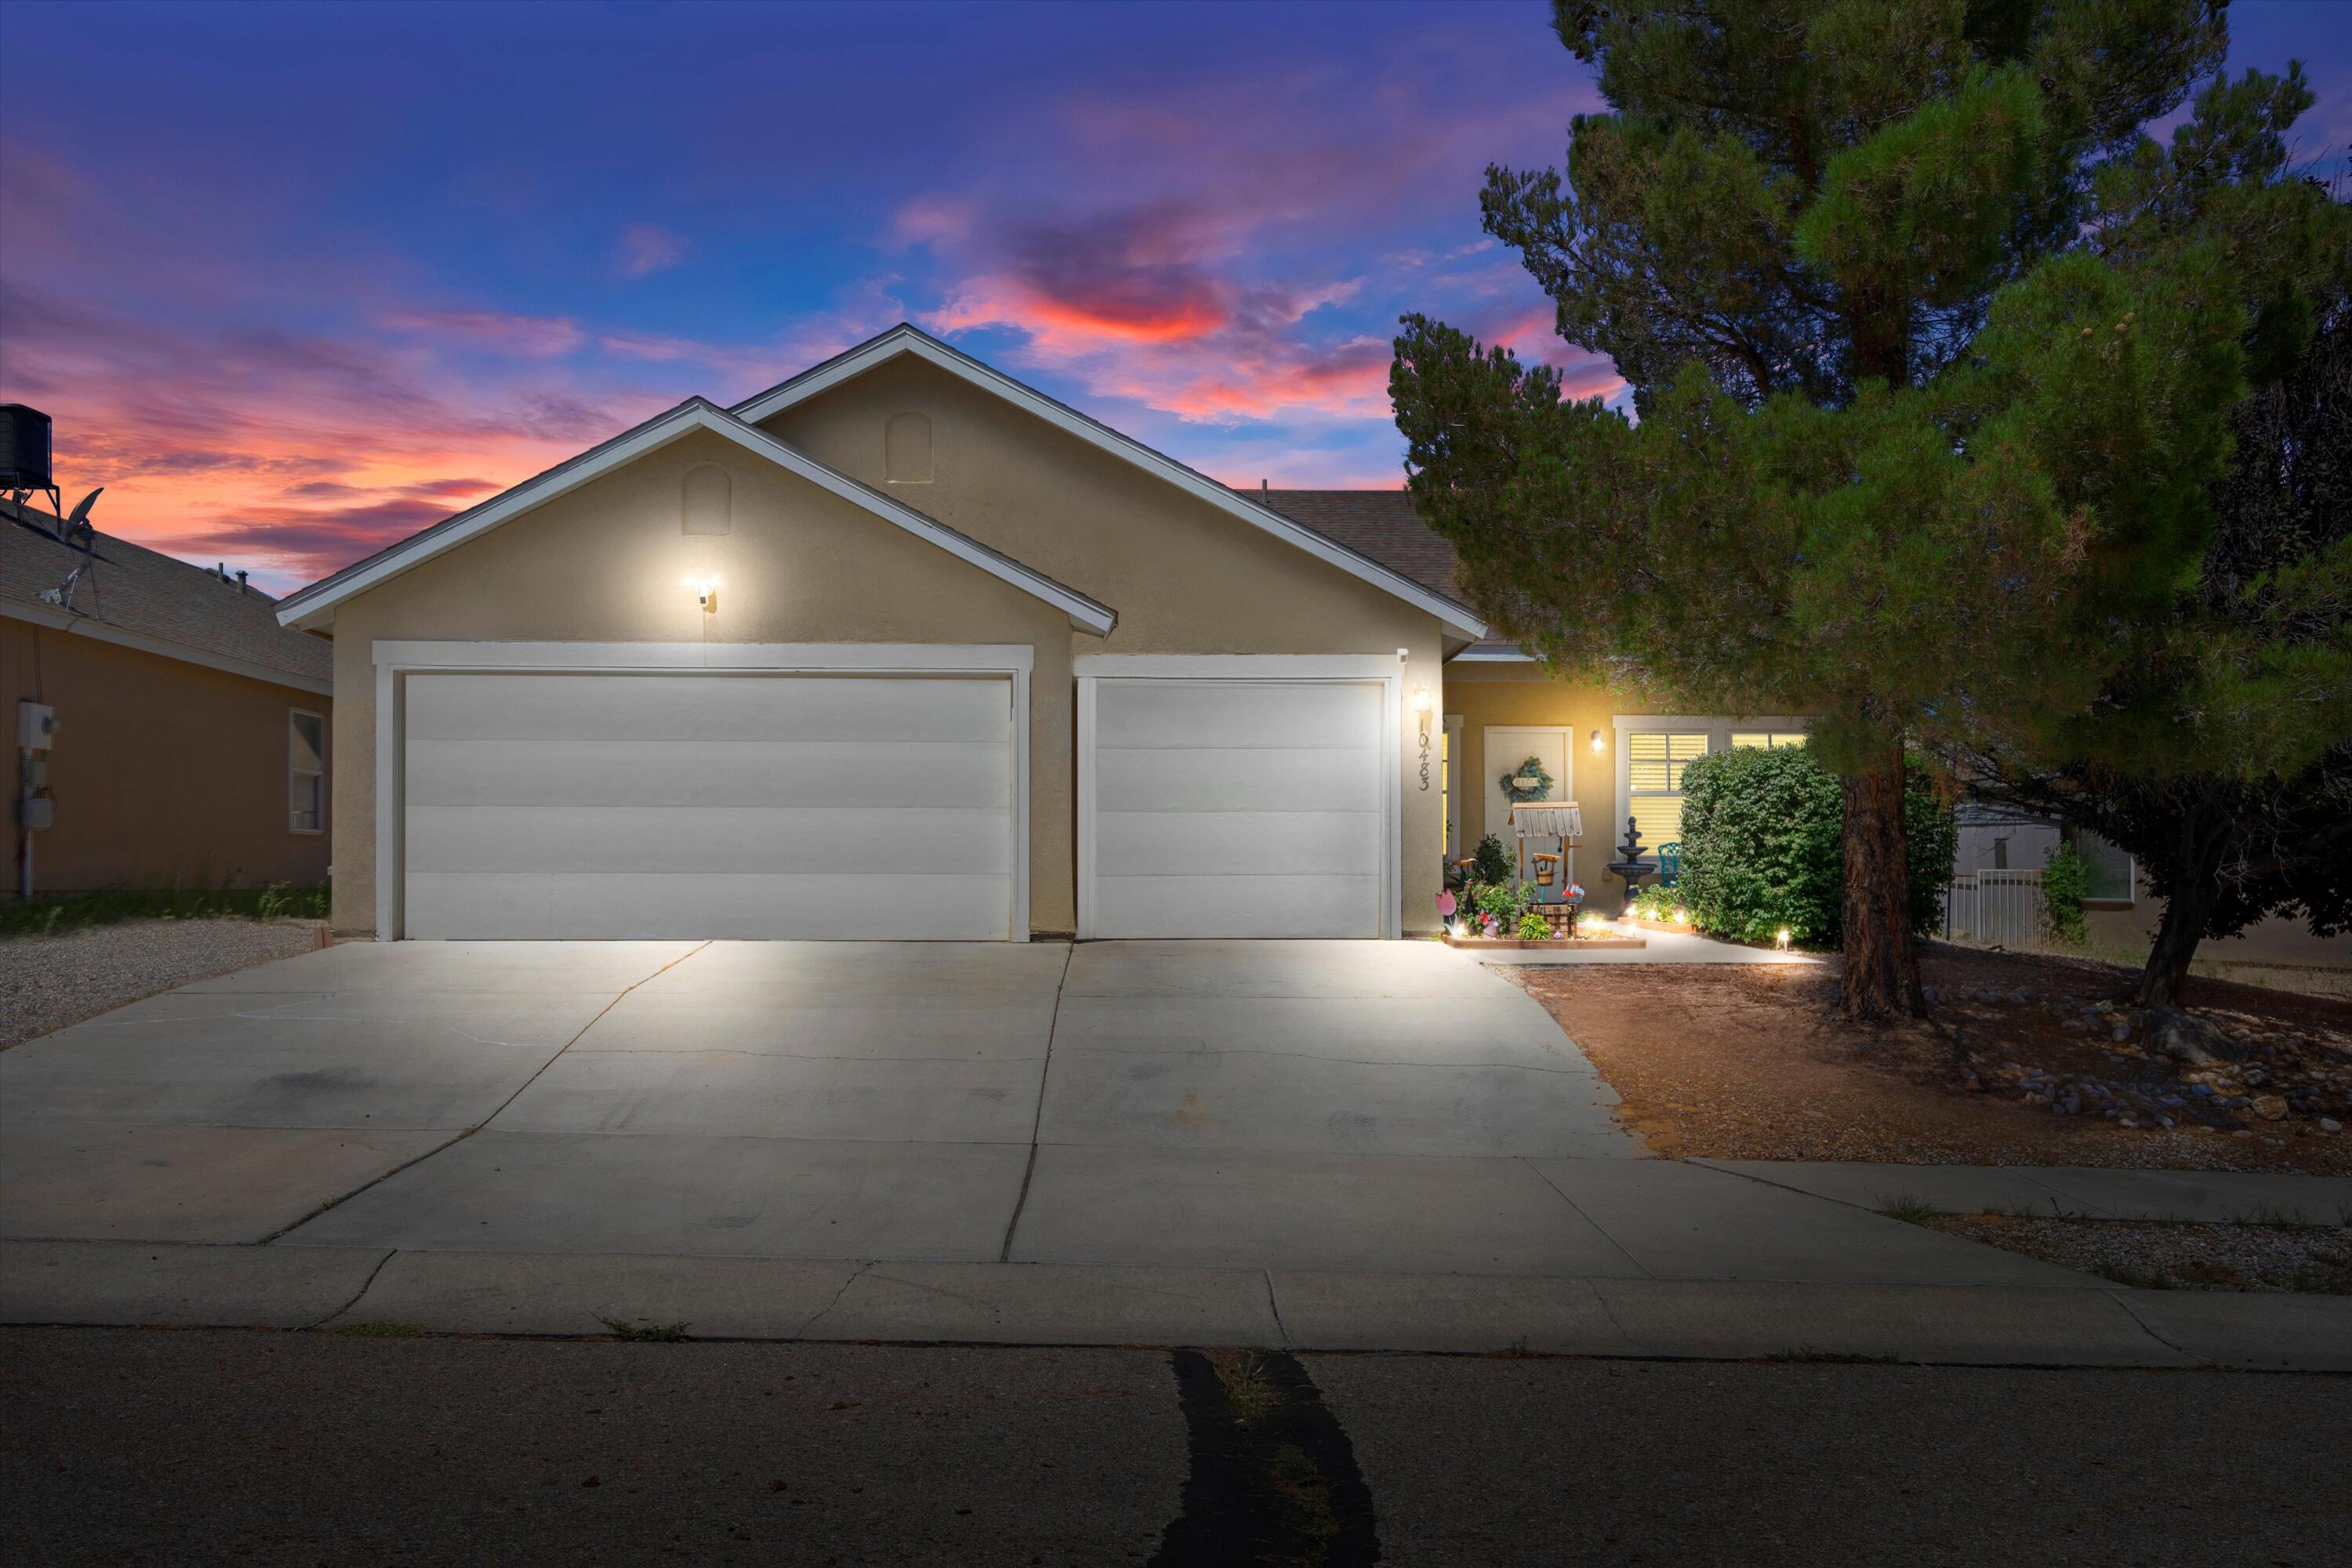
314 606
905 339
139 598
1383 525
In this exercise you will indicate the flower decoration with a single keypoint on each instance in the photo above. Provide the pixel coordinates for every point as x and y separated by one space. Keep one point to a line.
1539 784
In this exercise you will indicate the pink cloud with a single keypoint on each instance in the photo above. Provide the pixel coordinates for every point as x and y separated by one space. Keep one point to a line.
647 248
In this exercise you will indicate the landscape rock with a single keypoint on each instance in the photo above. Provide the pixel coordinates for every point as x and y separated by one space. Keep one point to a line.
2270 1107
2184 1036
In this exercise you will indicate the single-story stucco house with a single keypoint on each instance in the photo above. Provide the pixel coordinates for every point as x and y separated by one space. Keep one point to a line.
168 731
902 648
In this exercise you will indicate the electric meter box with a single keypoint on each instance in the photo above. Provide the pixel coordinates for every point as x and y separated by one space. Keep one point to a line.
37 726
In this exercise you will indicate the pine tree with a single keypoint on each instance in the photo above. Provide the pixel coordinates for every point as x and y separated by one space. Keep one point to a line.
1907 448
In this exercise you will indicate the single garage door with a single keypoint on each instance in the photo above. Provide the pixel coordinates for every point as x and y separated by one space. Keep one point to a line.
1241 808
703 805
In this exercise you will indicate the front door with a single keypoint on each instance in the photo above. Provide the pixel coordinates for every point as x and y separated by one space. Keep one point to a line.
1508 750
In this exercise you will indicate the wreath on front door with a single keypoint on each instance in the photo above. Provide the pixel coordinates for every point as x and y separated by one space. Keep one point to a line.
1539 784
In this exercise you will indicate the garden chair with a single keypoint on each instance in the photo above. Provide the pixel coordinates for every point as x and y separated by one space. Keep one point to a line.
1670 864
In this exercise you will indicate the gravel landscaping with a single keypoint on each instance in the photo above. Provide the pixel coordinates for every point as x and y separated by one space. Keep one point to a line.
2028 1060
2175 1257
49 982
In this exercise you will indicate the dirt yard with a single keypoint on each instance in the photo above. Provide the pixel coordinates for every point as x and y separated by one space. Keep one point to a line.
2021 1065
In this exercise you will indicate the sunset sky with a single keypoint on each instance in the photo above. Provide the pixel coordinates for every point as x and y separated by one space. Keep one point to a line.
295 281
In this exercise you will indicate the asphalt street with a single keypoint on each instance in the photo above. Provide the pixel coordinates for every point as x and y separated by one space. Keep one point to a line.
156 1446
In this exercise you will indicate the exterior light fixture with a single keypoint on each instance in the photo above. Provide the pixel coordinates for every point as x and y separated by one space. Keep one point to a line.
1681 916
1421 702
1598 745
1782 940
706 592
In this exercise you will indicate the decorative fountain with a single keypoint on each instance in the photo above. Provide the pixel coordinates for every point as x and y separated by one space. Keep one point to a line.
1630 865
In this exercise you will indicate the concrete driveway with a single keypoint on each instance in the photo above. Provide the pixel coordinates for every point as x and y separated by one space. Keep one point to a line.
1310 1106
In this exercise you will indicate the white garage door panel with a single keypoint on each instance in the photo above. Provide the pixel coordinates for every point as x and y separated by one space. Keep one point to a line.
1238 807
703 805
1238 778
733 839
619 907
1237 844
499 771
1163 715
705 706
1236 906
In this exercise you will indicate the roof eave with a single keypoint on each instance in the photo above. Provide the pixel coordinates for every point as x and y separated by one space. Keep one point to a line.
905 338
314 606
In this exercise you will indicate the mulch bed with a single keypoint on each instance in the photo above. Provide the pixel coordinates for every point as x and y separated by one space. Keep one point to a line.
2016 1068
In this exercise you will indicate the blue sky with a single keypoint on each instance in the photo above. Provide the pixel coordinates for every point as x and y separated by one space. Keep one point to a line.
297 279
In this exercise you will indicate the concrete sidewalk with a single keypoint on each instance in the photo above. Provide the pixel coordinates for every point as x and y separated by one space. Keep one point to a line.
118 1283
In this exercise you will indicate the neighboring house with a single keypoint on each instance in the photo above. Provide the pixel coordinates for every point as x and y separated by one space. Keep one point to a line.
191 730
902 648
2119 913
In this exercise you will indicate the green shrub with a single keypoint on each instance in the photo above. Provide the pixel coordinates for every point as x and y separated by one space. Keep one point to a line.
1504 900
2064 876
1533 926
45 916
1658 903
1761 851
1491 863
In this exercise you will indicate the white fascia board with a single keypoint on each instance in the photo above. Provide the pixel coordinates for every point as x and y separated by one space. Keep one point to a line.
1493 655
925 658
1238 666
907 339
162 648
314 606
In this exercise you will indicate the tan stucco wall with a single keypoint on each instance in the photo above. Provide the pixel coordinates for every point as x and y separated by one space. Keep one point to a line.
166 774
2268 941
1508 694
607 564
1184 575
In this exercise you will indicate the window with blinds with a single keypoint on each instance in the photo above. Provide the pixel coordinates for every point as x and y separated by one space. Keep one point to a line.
1760 740
1654 761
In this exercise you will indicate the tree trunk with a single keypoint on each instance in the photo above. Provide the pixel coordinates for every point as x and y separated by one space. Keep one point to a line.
2185 913
1880 978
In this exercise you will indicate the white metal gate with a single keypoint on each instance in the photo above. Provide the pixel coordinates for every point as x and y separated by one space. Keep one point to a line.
1995 908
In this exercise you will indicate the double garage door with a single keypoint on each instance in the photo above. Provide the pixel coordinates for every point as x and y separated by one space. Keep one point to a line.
762 805
702 804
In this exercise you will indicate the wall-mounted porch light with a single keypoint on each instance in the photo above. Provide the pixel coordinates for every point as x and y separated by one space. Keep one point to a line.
706 593
1598 745
1421 700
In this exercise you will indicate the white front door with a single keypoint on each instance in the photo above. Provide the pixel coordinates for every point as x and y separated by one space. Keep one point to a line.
1508 750
1253 807
546 804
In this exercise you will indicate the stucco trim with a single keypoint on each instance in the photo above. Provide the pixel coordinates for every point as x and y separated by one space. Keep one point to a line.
314 606
1342 669
395 659
905 339
163 647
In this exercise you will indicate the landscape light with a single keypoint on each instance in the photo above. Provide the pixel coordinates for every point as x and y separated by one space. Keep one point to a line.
1783 939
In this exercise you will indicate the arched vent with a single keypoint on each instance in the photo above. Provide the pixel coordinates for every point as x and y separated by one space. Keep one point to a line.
906 449
708 503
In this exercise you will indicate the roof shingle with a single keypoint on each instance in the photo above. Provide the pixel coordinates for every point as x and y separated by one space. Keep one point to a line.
135 589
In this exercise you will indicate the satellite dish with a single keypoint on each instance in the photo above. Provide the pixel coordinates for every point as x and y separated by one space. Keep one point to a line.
80 518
